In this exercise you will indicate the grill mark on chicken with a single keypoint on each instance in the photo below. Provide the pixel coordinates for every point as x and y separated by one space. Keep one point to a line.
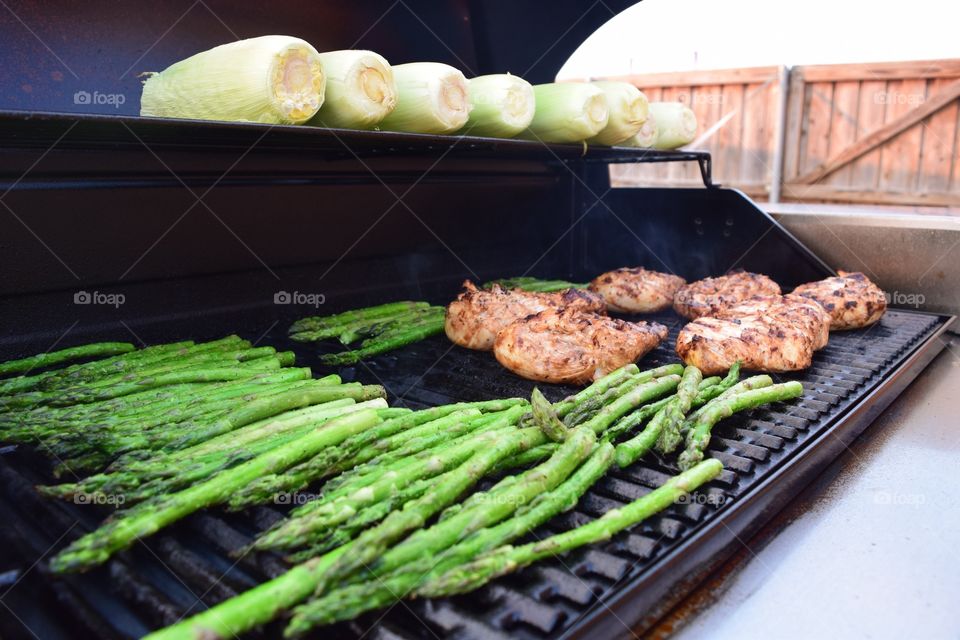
709 296
767 333
477 315
851 299
637 290
573 347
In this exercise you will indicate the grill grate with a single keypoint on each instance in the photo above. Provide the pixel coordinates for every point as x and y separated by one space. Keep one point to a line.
160 580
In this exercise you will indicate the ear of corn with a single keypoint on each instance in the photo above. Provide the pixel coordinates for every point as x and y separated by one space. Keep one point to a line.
431 98
676 124
628 109
646 137
360 93
567 112
270 79
503 106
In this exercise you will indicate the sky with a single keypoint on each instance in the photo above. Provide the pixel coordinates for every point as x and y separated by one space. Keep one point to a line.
680 35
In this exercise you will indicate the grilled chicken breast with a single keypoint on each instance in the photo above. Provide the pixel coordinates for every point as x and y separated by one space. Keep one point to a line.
789 308
767 333
636 290
570 346
477 315
708 296
851 299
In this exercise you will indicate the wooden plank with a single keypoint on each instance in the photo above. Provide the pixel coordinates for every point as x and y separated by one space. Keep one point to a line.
816 140
900 154
794 125
893 127
949 68
673 172
843 127
827 193
727 160
755 151
865 171
937 150
747 75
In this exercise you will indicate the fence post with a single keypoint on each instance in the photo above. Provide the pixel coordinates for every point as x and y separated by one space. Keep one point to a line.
779 140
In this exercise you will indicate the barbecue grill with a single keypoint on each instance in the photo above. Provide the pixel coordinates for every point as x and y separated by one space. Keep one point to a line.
200 225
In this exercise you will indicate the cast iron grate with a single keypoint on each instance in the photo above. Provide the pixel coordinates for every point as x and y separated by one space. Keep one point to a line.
189 566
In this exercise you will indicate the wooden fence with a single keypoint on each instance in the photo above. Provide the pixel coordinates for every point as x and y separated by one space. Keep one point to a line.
884 133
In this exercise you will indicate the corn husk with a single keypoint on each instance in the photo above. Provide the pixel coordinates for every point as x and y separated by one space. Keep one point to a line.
360 93
431 98
628 111
676 124
503 106
567 112
270 79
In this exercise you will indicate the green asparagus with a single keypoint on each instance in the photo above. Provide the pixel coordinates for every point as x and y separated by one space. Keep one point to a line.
507 559
152 515
698 436
50 358
351 600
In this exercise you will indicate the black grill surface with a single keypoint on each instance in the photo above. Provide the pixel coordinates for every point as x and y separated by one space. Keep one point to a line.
189 566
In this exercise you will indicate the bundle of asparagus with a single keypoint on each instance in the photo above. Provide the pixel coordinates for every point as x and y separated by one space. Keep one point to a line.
528 283
383 328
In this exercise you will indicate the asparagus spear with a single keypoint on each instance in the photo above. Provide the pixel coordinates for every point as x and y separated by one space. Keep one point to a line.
597 388
114 369
326 461
390 325
508 559
394 435
151 516
630 451
260 604
635 397
267 407
318 323
708 389
165 473
370 549
546 418
698 437
94 369
319 516
676 409
350 601
50 358
403 336
526 458
613 379
535 284
85 394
